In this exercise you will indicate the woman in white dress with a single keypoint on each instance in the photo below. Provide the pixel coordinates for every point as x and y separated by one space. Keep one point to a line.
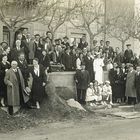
98 68
79 61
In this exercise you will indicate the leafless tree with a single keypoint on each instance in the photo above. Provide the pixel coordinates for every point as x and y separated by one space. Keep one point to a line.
59 14
121 25
90 16
135 25
17 13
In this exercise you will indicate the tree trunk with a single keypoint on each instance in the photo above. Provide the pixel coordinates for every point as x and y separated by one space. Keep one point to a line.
91 41
12 34
53 35
123 45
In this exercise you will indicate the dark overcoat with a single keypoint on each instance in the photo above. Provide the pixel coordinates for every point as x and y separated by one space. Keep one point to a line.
89 67
130 84
83 79
37 88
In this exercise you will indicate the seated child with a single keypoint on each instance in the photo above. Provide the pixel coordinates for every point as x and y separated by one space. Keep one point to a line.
92 94
103 94
107 92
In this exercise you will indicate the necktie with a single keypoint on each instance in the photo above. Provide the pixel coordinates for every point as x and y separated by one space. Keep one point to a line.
37 72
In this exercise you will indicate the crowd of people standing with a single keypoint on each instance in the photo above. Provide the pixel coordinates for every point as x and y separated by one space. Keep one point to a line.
24 69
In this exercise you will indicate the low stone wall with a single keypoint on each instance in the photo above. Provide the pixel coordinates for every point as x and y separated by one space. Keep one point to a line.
65 84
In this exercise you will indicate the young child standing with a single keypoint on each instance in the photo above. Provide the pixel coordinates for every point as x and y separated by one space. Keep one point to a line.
107 91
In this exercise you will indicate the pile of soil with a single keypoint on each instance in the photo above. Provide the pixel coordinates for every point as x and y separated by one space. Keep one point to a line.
53 108
27 118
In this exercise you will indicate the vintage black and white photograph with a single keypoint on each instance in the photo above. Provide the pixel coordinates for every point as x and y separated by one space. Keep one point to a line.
69 69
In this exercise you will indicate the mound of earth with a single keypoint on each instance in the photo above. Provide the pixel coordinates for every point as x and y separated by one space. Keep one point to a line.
53 108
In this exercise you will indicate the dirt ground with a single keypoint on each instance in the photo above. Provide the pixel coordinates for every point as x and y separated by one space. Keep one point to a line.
102 128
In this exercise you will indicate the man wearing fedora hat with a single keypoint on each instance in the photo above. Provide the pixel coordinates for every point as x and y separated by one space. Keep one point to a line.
128 54
130 91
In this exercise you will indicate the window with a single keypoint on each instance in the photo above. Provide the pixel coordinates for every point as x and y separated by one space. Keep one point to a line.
6 34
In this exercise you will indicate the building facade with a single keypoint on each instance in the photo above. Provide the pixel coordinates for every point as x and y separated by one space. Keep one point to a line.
67 29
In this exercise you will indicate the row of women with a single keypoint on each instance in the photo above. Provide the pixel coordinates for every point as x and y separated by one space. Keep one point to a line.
21 87
125 83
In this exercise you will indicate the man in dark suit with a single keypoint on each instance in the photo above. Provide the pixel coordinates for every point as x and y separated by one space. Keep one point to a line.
67 60
89 65
83 43
109 49
111 77
138 84
82 80
24 33
65 43
128 54
45 60
25 41
17 50
22 64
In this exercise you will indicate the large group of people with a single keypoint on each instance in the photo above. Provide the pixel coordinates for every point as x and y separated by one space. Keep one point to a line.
122 68
24 69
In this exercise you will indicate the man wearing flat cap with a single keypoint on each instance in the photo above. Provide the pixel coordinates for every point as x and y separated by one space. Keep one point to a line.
128 54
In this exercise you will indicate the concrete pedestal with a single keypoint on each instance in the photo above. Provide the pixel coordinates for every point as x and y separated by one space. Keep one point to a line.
64 83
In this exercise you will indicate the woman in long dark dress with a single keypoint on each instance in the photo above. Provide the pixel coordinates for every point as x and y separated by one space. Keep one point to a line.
38 84
4 66
119 86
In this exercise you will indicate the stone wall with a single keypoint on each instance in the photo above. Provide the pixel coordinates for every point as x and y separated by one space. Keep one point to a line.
65 84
